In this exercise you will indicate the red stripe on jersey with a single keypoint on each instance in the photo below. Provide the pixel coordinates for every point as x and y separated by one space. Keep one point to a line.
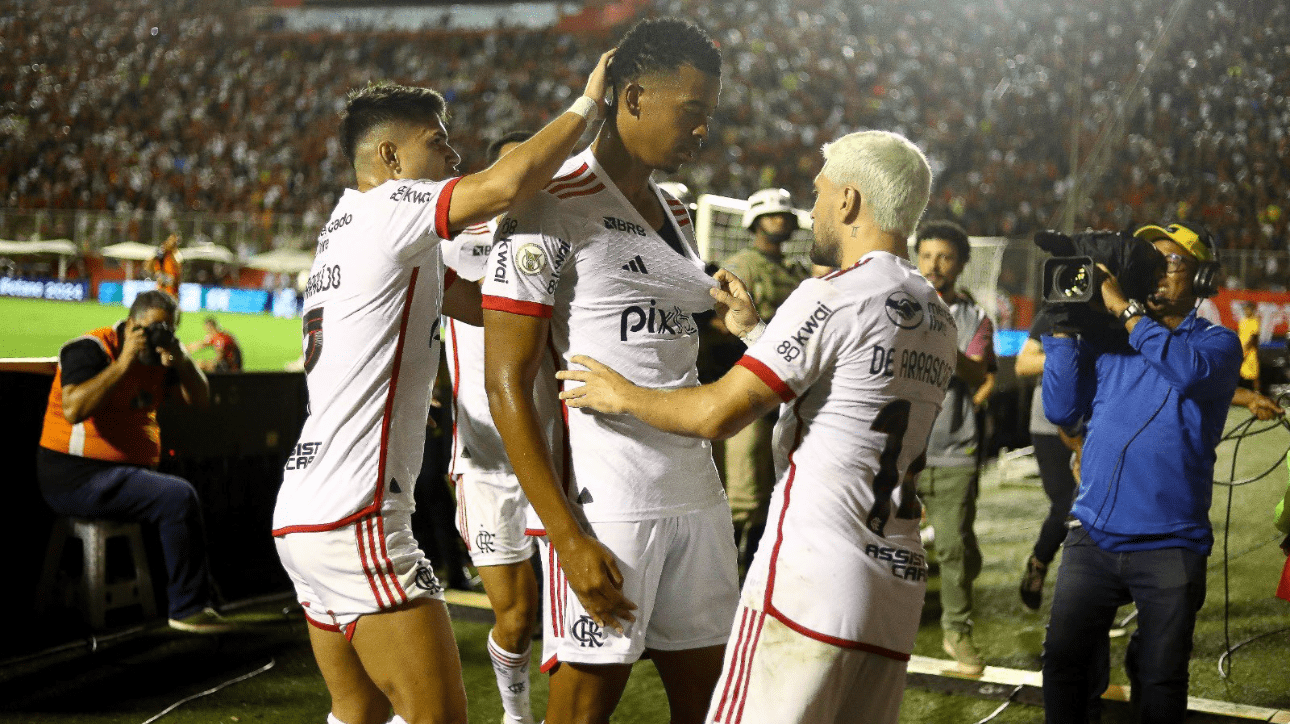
683 221
571 174
593 190
516 306
379 493
767 375
557 188
456 400
449 276
461 508
360 535
441 210
840 272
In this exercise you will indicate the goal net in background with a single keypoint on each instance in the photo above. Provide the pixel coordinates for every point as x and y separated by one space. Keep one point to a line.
720 233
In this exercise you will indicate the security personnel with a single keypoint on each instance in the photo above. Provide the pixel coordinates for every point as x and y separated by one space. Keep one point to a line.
770 278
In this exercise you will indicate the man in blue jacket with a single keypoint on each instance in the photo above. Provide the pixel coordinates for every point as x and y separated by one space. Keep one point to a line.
1155 411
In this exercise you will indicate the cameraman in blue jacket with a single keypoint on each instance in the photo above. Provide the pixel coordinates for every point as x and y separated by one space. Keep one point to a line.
1155 411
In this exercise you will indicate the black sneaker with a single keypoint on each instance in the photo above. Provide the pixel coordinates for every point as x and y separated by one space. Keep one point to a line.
1032 584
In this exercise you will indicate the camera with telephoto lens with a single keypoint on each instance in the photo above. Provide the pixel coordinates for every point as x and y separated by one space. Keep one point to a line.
1071 276
158 334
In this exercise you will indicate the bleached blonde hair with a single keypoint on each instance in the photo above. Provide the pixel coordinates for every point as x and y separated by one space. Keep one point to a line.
891 173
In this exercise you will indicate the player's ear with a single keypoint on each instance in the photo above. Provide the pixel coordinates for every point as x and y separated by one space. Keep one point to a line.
389 154
852 201
632 99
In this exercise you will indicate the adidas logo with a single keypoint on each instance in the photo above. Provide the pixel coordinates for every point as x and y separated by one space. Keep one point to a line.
637 264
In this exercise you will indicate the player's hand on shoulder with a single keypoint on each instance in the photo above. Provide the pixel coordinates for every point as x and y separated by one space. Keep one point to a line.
734 304
592 572
602 389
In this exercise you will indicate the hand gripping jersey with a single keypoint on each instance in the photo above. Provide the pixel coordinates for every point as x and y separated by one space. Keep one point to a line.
580 254
861 359
371 352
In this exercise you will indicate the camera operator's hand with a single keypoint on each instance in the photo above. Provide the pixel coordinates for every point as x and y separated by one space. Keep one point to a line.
136 342
173 354
1112 296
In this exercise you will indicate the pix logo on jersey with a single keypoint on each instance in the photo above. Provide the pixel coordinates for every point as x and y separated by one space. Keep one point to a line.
655 321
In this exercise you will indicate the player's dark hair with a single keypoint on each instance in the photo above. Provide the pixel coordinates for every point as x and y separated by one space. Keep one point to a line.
945 231
662 44
154 299
384 102
495 148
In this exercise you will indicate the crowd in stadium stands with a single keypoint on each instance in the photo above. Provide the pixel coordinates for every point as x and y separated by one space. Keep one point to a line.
129 104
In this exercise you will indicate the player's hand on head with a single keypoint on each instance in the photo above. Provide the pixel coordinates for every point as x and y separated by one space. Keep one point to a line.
735 306
602 389
598 83
592 572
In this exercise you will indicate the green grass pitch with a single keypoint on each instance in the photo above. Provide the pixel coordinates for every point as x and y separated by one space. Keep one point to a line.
38 328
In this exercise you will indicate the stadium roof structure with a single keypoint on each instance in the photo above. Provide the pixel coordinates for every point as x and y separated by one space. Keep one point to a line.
61 247
129 251
282 261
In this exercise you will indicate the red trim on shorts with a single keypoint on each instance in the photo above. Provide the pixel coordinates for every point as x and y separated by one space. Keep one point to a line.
747 675
535 532
441 209
736 660
367 568
549 664
377 565
767 375
333 628
516 306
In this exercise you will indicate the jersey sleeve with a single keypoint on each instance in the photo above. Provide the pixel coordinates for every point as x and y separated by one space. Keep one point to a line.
415 213
801 342
467 254
525 262
82 359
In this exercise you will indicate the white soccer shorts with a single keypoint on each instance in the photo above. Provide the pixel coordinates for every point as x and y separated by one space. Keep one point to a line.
368 566
491 518
772 673
681 572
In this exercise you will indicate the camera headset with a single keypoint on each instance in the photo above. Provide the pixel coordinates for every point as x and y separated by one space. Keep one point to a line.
1198 242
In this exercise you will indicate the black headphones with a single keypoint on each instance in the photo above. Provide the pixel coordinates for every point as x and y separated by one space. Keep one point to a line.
1204 283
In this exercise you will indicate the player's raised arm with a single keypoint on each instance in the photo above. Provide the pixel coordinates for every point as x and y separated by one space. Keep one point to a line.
526 169
513 349
714 411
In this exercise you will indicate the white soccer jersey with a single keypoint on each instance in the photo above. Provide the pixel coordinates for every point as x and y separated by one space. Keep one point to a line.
861 359
580 254
371 330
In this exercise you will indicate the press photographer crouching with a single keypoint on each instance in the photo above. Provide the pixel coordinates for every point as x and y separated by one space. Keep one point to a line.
1154 382
101 444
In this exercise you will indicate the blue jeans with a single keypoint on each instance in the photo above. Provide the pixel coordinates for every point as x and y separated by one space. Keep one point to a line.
1168 587
129 492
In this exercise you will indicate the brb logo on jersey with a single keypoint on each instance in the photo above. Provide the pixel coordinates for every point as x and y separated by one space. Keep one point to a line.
618 224
587 633
677 323
903 310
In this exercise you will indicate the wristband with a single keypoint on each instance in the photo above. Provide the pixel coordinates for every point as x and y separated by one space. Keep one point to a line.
751 336
585 106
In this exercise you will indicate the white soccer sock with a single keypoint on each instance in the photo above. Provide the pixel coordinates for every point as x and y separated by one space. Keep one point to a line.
331 719
397 720
512 672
